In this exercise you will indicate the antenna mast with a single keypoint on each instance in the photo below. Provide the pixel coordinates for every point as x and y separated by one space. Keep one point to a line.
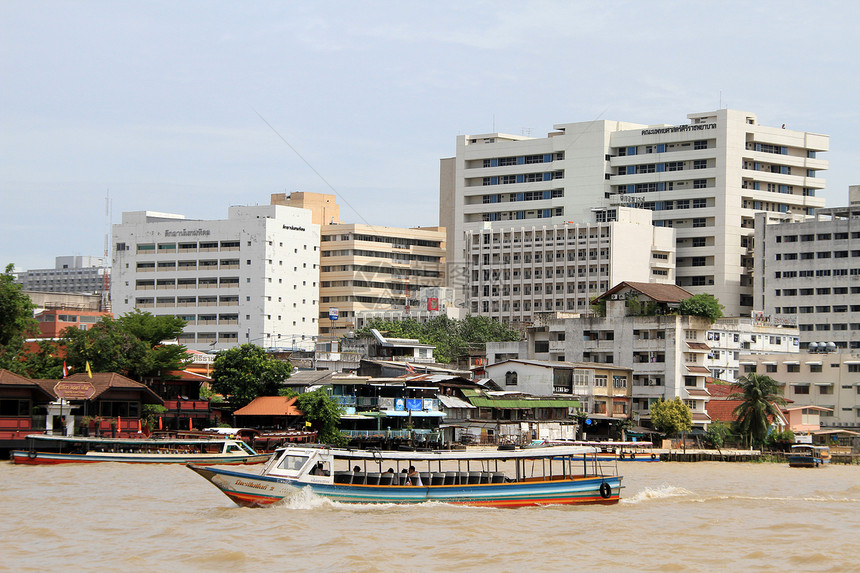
106 260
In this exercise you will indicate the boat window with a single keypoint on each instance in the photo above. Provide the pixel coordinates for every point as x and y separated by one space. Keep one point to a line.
292 463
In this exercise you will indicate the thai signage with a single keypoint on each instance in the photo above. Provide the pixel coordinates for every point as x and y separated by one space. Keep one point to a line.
188 233
676 128
75 390
762 319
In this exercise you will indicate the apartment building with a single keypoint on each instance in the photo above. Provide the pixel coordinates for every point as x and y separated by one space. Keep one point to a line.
512 273
732 340
808 273
705 179
71 274
667 353
367 268
811 378
252 277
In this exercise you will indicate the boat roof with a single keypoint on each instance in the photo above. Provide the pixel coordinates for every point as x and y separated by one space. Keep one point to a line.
433 455
135 441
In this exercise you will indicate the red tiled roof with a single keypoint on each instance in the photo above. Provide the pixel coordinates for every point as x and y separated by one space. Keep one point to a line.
104 381
270 406
697 392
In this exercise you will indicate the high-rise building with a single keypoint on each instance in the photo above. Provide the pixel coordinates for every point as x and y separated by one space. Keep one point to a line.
363 268
705 179
72 274
808 273
512 273
252 277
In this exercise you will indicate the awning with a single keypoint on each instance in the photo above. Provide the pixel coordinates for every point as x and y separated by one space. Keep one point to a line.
823 384
356 417
769 362
413 413
814 362
697 417
792 362
799 384
851 362
697 392
749 363
698 346
698 370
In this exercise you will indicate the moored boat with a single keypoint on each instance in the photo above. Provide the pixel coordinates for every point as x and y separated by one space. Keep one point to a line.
808 456
492 478
45 449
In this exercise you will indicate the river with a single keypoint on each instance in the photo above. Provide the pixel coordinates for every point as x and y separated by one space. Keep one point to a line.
705 516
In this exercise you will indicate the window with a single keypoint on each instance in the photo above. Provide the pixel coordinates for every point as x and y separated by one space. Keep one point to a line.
801 389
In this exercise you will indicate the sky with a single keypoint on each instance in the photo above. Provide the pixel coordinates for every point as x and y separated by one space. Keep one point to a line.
192 106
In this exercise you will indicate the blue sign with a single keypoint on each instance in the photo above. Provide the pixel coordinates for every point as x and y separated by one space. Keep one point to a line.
414 404
332 313
399 405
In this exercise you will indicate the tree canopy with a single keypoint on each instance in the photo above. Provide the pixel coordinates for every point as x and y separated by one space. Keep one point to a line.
323 412
760 401
705 305
671 417
16 321
452 338
245 372
131 345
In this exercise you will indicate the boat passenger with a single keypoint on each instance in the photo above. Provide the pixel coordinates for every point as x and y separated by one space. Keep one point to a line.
356 469
319 470
414 476
390 471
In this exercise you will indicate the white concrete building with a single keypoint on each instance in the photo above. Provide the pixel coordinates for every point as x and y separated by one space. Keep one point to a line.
830 380
666 352
808 273
72 274
513 273
732 340
252 277
705 179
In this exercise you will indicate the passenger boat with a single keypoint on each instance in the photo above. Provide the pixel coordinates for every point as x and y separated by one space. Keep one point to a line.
620 451
808 456
45 449
492 478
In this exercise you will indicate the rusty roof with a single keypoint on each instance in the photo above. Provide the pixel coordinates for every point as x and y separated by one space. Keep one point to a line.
270 406
658 292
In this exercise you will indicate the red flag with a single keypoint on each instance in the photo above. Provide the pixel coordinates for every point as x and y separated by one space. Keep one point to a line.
139 427
65 370
118 424
190 427
159 422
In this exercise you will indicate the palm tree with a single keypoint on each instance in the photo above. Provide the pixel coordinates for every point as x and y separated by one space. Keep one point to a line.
760 398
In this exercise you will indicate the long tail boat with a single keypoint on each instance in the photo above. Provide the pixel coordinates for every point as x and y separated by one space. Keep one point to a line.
494 478
44 449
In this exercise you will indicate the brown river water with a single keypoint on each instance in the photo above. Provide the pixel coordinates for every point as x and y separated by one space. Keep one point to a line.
705 516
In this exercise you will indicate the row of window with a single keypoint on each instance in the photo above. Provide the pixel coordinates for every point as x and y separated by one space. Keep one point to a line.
816 291
816 255
519 215
206 246
657 186
523 159
660 148
807 237
808 273
523 178
523 196
661 167
397 242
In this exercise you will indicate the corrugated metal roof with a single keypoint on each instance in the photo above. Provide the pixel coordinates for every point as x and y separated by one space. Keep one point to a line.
454 402
523 404
658 292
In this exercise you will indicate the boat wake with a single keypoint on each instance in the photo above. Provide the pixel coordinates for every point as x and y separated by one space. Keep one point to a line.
648 494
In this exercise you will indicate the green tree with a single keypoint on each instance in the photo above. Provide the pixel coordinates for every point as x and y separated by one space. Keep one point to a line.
717 433
702 305
760 401
323 412
452 338
132 345
245 372
46 363
16 321
153 331
671 417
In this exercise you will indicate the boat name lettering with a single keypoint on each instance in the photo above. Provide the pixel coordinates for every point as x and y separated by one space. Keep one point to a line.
252 484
